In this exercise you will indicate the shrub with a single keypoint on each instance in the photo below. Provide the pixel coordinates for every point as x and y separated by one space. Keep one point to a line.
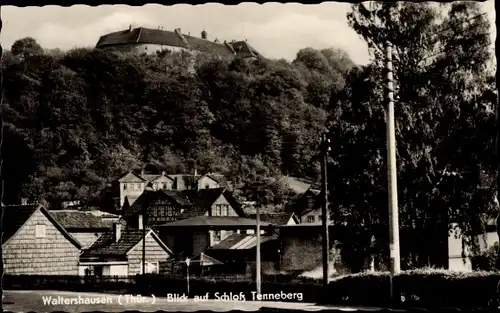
417 288
485 261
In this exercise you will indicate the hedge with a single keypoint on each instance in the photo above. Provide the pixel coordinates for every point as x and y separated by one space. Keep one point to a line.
425 288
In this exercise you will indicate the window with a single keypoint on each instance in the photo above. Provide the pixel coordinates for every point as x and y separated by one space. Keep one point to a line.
217 236
151 267
221 210
137 186
320 217
310 219
207 186
39 231
124 186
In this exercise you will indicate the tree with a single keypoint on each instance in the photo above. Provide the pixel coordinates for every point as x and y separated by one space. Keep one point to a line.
26 47
444 105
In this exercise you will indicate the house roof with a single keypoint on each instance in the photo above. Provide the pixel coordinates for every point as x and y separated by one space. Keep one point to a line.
275 218
218 221
106 245
243 49
150 196
142 35
296 184
241 242
194 202
15 216
79 220
205 260
201 200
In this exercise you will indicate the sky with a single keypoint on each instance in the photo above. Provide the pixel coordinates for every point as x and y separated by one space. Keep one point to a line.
276 30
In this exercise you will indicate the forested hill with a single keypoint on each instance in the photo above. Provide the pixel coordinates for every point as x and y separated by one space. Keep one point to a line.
75 121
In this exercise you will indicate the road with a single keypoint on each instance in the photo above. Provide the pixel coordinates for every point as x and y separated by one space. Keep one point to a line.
37 301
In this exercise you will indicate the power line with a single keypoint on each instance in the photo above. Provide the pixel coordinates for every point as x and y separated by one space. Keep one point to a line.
450 27
452 48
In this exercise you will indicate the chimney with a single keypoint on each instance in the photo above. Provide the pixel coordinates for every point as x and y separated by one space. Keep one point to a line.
117 231
195 171
204 35
163 173
141 222
130 27
142 172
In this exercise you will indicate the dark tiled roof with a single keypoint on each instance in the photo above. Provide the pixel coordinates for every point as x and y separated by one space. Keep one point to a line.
203 45
78 220
143 35
106 245
149 196
241 242
274 218
220 221
243 49
194 202
178 196
15 216
201 200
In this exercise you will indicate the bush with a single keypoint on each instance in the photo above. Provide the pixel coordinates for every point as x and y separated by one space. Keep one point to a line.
486 260
429 288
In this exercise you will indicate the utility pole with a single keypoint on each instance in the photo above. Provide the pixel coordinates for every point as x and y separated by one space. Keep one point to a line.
257 269
325 212
392 171
143 241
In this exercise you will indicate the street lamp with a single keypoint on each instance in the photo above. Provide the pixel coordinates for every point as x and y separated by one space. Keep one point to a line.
188 261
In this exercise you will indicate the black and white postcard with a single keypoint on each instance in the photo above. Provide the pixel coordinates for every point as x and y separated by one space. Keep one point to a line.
177 157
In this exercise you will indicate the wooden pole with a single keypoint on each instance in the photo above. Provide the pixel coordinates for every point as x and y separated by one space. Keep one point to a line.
258 270
325 212
143 243
394 252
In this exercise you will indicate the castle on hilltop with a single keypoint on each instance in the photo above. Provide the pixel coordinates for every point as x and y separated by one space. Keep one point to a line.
145 40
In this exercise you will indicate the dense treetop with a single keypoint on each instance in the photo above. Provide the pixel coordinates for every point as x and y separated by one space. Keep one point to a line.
77 120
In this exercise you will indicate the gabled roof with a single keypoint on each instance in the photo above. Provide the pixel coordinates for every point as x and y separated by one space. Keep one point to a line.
275 218
214 221
15 216
106 245
150 196
194 202
73 220
243 49
201 200
131 177
241 242
204 260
